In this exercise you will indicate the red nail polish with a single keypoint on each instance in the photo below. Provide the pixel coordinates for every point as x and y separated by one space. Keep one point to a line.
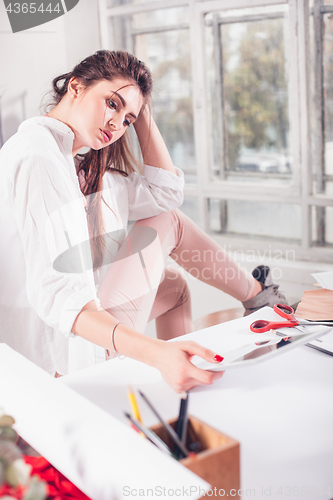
218 358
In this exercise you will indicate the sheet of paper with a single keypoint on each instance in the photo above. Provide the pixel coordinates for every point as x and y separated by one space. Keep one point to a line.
234 334
324 279
237 353
102 456
234 339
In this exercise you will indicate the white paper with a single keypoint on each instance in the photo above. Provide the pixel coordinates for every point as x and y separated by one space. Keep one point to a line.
234 339
105 458
324 279
245 345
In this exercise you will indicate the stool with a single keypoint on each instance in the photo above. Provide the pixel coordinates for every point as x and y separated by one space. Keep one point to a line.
218 317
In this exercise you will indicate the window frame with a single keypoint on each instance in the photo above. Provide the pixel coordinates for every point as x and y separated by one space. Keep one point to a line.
300 191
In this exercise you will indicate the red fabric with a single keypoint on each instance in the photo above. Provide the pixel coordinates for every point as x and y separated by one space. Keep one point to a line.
59 488
13 492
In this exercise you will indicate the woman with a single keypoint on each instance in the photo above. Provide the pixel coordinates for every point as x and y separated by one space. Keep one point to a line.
59 247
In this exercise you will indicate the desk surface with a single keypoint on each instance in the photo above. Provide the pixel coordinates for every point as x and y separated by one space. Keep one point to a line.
281 411
94 450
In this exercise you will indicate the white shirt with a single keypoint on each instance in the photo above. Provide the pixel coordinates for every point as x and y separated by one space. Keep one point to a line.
42 215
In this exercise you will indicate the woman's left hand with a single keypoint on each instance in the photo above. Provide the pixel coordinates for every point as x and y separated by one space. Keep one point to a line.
153 148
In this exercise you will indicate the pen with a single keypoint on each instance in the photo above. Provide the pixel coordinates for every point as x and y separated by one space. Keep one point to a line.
133 403
181 427
172 433
149 434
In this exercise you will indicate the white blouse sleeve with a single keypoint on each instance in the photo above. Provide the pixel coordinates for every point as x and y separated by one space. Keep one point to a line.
158 191
52 225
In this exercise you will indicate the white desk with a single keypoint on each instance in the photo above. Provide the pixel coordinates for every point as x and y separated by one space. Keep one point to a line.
95 451
281 411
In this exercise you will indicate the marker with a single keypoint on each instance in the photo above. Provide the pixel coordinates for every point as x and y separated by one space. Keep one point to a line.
149 434
181 427
172 433
183 420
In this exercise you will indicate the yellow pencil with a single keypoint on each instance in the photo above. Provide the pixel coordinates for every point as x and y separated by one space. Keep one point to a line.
133 403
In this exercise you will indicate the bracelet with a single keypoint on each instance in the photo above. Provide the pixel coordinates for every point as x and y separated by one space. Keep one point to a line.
112 342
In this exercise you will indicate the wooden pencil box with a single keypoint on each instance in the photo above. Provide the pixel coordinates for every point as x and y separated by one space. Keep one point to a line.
217 460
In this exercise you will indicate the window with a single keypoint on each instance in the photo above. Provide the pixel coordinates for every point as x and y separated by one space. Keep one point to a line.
247 57
244 99
161 39
321 29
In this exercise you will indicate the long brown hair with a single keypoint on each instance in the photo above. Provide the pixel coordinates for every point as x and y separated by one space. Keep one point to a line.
104 65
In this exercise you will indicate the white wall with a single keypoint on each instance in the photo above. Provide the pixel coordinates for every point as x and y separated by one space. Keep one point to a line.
29 60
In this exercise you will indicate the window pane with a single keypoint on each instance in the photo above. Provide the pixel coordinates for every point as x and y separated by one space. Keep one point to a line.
114 3
167 54
160 18
190 207
261 219
328 103
321 32
322 226
248 91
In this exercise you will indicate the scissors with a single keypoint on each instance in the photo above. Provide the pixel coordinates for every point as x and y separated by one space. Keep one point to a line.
262 325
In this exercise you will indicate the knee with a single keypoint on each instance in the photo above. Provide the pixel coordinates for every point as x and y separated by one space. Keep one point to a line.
178 283
164 226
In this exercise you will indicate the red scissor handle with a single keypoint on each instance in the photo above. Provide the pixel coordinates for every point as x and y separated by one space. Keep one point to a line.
285 311
262 325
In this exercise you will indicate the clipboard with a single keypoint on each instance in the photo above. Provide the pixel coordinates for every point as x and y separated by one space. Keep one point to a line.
323 344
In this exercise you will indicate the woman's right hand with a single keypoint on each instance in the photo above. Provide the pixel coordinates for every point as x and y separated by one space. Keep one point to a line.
172 359
174 363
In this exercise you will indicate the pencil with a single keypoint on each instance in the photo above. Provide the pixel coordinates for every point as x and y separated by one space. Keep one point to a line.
172 433
149 434
134 404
